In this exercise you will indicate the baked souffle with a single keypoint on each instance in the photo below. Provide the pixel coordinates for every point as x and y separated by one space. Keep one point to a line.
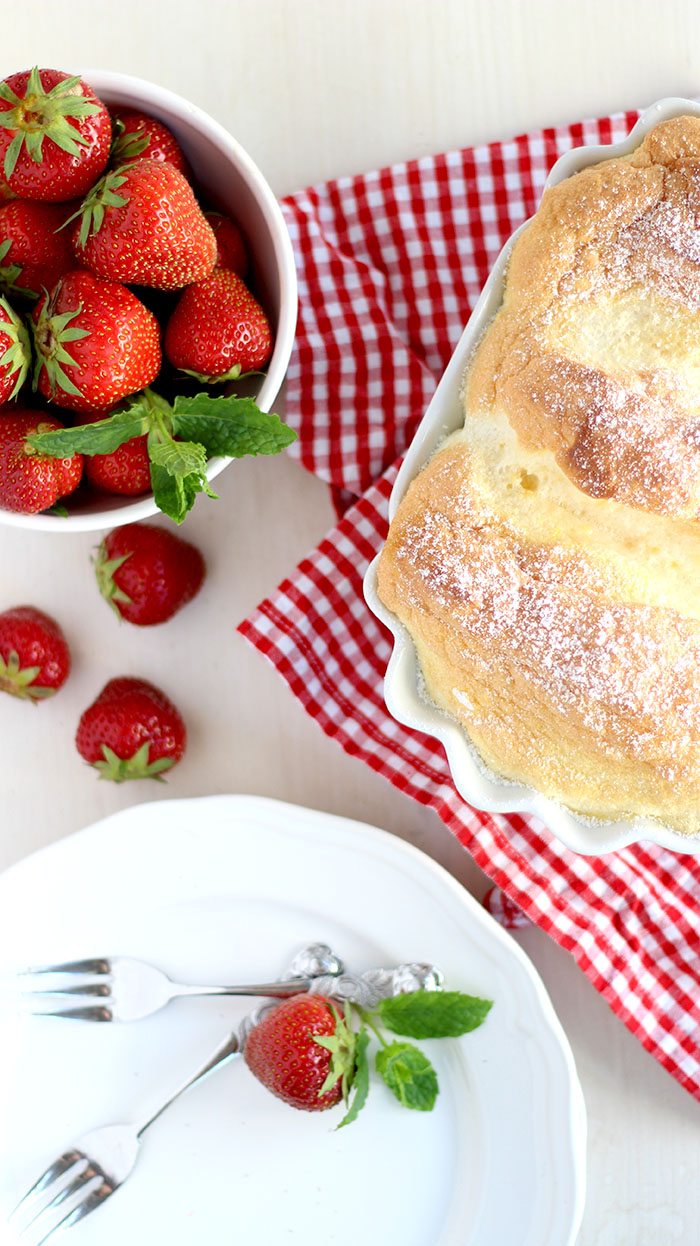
546 561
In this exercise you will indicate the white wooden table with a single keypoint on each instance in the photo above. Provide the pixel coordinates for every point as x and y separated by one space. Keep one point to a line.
316 88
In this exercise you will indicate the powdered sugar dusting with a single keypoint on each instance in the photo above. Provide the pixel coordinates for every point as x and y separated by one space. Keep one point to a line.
623 673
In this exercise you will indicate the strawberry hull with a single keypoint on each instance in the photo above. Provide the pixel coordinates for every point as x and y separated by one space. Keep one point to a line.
73 149
95 343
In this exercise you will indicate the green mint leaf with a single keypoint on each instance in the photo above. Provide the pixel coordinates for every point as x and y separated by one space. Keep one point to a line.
433 1014
175 495
232 427
409 1075
178 458
100 438
360 1082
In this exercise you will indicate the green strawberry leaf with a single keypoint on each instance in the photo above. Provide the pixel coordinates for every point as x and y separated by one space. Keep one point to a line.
119 770
44 114
230 426
409 1075
342 1045
433 1014
360 1081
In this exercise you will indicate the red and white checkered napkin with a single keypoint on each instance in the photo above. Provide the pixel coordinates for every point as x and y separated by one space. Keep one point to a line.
389 265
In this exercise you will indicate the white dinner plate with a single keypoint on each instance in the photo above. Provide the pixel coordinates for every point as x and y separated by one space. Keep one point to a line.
228 888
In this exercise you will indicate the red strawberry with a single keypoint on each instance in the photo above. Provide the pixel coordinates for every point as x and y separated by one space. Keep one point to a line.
34 250
138 135
103 334
284 1054
34 655
15 352
218 330
126 470
147 573
55 135
131 731
29 481
230 248
142 224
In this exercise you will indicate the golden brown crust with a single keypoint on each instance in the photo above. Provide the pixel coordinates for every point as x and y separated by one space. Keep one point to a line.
618 240
547 561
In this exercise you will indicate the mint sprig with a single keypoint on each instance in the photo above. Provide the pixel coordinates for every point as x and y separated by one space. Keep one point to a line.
403 1067
181 439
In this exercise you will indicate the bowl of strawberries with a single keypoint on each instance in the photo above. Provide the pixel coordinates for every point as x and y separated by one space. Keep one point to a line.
148 302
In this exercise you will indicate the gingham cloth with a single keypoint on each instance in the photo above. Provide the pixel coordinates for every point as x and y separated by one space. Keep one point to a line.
390 264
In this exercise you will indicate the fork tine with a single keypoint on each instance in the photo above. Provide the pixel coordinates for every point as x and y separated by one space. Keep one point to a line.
100 989
52 1173
99 1012
81 1178
73 966
84 1208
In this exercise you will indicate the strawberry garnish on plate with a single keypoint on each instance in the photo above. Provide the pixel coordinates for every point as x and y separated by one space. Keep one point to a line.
218 330
231 251
31 481
136 134
311 1051
147 573
303 1052
34 654
95 343
55 135
131 731
34 248
15 352
142 224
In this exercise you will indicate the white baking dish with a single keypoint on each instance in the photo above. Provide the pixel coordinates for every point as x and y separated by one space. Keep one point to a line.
402 686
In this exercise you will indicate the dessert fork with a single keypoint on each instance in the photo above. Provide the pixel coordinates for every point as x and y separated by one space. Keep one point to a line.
121 988
84 1176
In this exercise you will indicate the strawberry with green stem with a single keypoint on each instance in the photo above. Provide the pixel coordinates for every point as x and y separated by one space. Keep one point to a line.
146 573
34 655
310 1056
218 330
180 437
141 224
131 731
95 343
55 135
15 352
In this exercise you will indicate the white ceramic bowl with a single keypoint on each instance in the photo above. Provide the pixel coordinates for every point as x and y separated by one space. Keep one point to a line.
233 183
480 786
